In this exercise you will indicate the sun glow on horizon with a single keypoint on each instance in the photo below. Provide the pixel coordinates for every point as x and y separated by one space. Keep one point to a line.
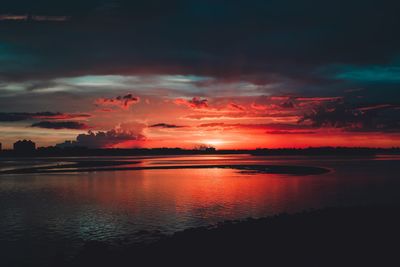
215 142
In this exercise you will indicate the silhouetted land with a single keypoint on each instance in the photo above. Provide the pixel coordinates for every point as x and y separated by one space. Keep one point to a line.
81 151
331 237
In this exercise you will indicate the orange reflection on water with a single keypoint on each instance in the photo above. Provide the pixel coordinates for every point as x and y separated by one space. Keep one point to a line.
191 193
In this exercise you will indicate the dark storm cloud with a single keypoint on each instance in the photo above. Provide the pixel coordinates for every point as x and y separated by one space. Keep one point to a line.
220 38
350 117
12 117
305 48
23 116
74 125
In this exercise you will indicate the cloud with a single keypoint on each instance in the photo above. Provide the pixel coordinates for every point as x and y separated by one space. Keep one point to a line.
368 73
255 107
374 107
213 124
217 115
60 116
124 135
13 17
195 102
293 45
23 116
290 132
287 104
74 125
236 106
25 17
319 99
108 139
165 125
123 102
259 107
49 18
279 61
269 127
352 117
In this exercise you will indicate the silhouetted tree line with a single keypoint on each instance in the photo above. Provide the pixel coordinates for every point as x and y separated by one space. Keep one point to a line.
84 151
326 151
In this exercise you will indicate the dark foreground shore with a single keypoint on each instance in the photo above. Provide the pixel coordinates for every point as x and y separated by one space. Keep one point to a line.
362 236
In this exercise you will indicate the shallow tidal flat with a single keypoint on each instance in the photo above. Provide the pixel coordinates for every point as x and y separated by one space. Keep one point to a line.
96 165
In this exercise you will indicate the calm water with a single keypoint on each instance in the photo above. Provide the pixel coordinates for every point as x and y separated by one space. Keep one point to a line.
59 212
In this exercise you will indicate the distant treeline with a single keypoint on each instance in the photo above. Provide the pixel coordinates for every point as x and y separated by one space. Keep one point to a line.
82 151
326 151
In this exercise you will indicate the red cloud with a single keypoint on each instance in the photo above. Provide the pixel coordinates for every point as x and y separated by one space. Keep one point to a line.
258 107
270 127
123 102
195 102
279 98
236 107
290 132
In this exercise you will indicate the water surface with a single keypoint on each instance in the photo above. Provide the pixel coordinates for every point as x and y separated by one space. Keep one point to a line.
60 211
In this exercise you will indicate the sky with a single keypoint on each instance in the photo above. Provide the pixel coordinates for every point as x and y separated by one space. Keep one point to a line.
229 74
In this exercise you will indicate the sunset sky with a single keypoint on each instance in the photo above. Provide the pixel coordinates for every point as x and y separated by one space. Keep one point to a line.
231 74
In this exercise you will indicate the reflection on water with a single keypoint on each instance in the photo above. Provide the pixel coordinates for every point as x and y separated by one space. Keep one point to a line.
39 210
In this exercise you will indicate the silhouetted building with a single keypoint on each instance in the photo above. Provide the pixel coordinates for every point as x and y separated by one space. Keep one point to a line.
24 146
